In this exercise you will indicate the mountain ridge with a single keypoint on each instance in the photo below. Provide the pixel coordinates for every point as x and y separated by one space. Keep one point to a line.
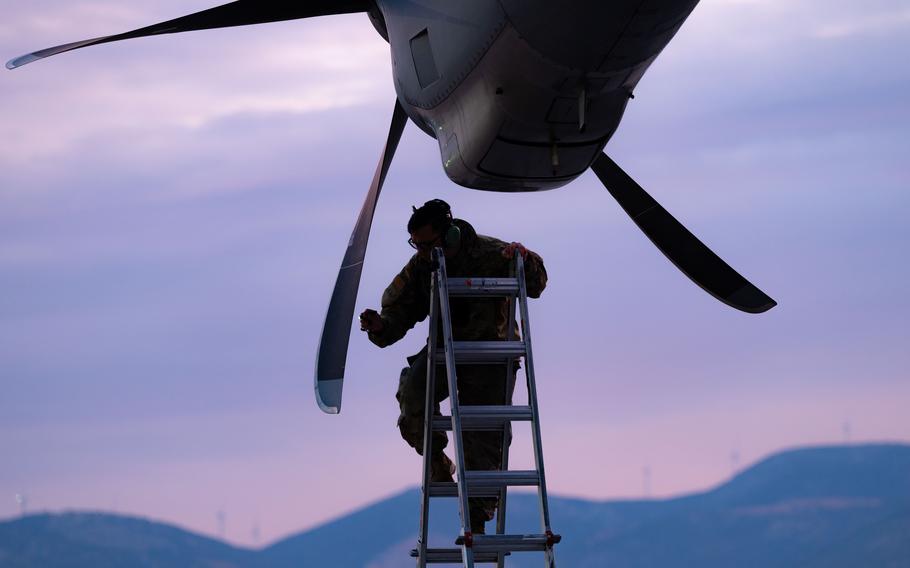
809 506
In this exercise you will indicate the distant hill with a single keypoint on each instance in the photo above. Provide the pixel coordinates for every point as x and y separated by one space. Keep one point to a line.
97 540
831 507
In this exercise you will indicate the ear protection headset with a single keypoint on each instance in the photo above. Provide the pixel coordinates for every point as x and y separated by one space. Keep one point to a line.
452 238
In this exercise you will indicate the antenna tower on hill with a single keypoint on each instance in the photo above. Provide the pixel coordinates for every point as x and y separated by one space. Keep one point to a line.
222 523
22 500
734 461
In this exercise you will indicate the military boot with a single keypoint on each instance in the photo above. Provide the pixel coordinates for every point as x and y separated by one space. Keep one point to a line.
480 514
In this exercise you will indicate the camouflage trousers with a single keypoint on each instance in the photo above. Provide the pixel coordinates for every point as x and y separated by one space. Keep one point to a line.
477 385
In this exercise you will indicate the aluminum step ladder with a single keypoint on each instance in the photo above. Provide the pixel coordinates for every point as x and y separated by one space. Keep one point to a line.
475 549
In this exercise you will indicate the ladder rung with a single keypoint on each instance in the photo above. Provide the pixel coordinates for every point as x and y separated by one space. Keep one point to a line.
483 286
486 543
453 556
495 478
486 483
484 351
485 417
450 489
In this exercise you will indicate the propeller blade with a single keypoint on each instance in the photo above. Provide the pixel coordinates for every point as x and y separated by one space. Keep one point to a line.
689 254
333 345
240 13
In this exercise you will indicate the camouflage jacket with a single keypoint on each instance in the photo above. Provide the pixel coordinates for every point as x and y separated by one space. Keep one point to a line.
406 300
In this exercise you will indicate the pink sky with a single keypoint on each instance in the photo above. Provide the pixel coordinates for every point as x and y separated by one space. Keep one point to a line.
173 211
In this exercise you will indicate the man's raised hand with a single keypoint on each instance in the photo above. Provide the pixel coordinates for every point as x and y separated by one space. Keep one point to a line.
509 250
370 321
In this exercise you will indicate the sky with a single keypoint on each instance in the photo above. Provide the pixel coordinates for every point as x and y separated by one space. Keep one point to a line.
173 212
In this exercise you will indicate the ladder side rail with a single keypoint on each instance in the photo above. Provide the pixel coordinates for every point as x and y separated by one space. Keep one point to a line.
430 403
442 282
550 559
507 427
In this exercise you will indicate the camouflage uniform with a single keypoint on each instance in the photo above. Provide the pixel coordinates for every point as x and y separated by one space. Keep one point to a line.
406 301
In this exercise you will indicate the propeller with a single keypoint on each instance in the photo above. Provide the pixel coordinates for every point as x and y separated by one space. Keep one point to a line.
689 254
240 13
333 345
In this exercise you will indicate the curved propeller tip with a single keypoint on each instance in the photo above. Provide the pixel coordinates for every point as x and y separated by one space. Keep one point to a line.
748 299
328 395
17 62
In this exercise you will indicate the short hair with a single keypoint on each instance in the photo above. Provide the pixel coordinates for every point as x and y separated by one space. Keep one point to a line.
435 213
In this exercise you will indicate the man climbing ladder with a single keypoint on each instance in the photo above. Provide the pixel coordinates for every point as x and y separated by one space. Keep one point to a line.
406 301
478 326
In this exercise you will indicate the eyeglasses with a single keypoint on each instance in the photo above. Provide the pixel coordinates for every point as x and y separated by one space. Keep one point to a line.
424 245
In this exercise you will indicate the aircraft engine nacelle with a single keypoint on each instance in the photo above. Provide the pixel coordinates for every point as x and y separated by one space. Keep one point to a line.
522 95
